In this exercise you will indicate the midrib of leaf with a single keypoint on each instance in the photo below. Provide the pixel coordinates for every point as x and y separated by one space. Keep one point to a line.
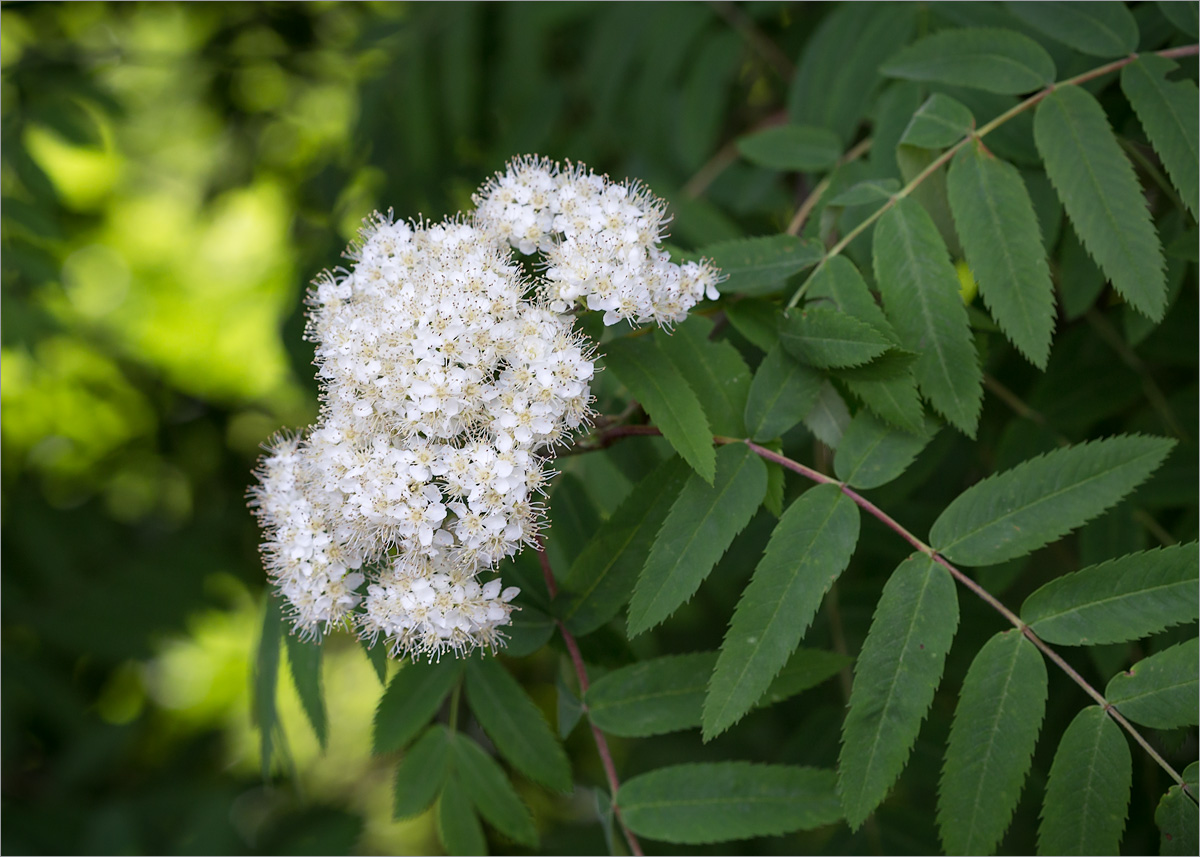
1101 601
921 297
1083 21
626 700
942 65
710 801
1154 691
1088 787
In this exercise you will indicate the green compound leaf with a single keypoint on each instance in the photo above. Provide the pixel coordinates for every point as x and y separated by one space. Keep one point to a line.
1160 691
304 660
1020 510
782 393
715 371
1097 29
823 337
694 804
699 528
515 724
266 681
1177 818
991 744
810 546
760 266
1087 794
921 299
667 397
600 580
895 678
1168 113
457 824
938 123
411 699
864 193
421 773
651 697
1124 599
872 454
1102 197
996 60
486 784
801 148
1003 245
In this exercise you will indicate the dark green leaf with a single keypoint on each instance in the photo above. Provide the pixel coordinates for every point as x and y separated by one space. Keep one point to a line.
755 319
810 546
664 393
569 708
894 400
840 283
920 295
1160 691
377 655
1097 29
782 393
938 123
802 148
528 630
457 824
1000 236
421 773
1182 15
995 60
824 337
759 266
863 193
515 724
266 680
805 668
871 454
991 743
304 659
1079 281
1101 194
1087 794
1167 110
829 417
1123 599
727 800
895 677
699 528
1177 817
715 371
601 579
1020 510
486 784
651 697
412 698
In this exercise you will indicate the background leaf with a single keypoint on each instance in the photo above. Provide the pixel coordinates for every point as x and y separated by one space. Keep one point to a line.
651 697
802 148
1098 29
782 393
1178 819
760 266
938 123
863 193
421 773
411 699
995 60
1160 691
872 454
715 371
304 660
457 824
1168 113
829 417
266 681
1182 15
486 784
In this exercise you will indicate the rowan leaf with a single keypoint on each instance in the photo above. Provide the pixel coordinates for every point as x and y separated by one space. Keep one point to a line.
992 59
411 699
1183 15
304 660
810 546
265 712
488 787
1101 194
894 400
756 319
829 417
1168 113
824 337
1087 793
760 266
1117 601
1097 29
715 371
895 677
718 802
651 697
800 148
458 826
701 525
1160 691
864 193
840 284
1020 510
991 743
938 123
421 773
782 393
1178 820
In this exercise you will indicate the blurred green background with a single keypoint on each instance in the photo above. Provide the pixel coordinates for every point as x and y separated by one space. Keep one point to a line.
173 175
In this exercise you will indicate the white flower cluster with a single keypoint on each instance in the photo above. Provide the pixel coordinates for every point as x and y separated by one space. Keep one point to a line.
601 241
447 376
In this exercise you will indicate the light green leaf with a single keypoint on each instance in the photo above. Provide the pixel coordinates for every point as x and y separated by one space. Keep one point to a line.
1124 599
412 698
1003 245
304 659
871 454
801 148
699 528
1182 15
991 744
996 60
421 773
824 337
938 123
515 724
651 697
896 675
1087 794
727 800
1101 194
1105 30
810 546
921 299
1168 112
1160 691
1020 510
266 680
760 266
486 784
865 192
756 319
601 579
1178 819
668 399
829 417
457 824
715 371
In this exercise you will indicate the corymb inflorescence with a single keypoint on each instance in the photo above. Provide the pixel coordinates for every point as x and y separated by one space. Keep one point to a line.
448 376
